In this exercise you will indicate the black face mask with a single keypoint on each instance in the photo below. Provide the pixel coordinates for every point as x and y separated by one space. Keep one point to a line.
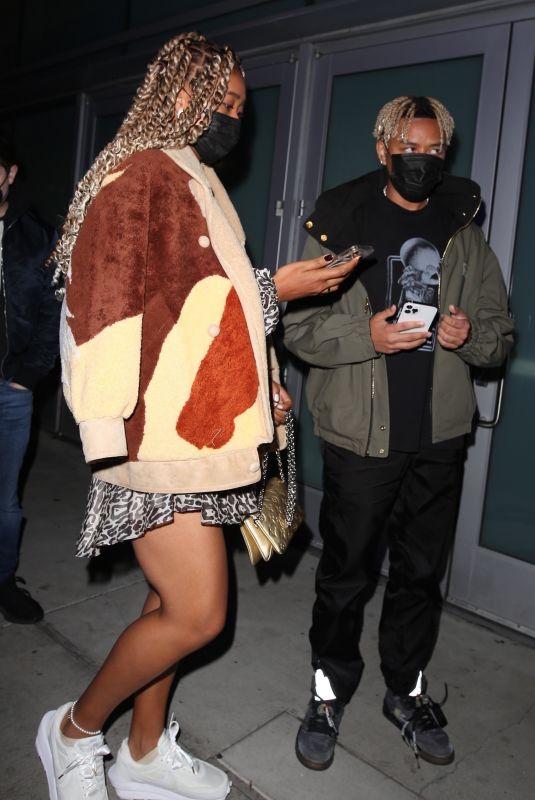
415 176
219 138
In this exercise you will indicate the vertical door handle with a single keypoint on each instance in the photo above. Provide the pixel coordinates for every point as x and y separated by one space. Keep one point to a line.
491 423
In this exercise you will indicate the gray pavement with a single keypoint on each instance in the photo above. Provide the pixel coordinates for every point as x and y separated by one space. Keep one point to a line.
240 701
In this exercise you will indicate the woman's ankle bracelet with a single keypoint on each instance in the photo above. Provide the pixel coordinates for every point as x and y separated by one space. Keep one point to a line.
79 727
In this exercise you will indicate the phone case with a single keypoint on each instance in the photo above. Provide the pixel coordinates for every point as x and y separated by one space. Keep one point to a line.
363 250
418 312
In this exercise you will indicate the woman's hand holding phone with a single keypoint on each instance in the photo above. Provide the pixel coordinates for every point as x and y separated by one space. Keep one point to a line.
306 278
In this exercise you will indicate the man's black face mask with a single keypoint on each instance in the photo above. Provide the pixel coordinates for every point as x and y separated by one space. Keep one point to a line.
415 176
221 136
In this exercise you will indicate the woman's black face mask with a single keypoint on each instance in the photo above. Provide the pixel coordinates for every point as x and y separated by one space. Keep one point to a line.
221 136
415 176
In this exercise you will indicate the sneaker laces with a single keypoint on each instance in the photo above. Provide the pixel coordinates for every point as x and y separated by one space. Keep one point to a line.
409 737
330 718
428 715
90 768
172 753
323 711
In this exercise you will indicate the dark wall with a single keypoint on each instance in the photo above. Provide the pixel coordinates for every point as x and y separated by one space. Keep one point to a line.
57 53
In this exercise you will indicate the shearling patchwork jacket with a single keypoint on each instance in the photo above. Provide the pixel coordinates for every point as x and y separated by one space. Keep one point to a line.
162 339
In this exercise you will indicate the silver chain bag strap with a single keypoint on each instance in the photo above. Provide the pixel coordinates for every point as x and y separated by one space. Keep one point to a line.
278 517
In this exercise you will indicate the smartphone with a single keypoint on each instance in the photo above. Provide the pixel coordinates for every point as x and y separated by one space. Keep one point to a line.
419 312
363 250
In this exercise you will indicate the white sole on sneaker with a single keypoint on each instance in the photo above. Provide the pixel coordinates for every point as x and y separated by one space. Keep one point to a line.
132 790
42 745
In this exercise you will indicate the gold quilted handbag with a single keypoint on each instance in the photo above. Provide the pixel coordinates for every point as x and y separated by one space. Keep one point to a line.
279 516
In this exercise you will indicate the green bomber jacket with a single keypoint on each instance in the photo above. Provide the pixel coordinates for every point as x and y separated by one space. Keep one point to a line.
347 385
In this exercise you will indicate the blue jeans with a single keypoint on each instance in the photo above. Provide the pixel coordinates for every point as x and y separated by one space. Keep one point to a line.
16 407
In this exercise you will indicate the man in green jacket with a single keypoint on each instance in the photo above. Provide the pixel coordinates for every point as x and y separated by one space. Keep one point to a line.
392 402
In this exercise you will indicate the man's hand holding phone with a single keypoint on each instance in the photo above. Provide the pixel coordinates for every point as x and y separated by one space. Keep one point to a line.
419 312
389 338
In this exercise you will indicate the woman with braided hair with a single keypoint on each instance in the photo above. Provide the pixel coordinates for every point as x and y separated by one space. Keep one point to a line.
165 368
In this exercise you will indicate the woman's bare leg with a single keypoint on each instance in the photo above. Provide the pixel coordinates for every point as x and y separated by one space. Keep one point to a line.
150 703
186 565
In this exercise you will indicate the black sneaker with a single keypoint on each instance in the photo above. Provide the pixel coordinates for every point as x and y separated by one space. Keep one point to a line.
16 604
317 735
422 724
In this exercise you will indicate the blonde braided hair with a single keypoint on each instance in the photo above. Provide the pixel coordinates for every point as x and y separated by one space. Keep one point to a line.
404 109
187 61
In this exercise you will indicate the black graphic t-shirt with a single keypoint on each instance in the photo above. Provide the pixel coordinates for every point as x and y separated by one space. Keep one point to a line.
406 268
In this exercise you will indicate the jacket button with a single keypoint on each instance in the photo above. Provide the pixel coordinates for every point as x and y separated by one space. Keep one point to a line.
381 451
382 428
323 237
214 330
204 241
309 224
254 467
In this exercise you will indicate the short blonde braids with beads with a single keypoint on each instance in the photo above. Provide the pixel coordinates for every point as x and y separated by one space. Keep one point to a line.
403 110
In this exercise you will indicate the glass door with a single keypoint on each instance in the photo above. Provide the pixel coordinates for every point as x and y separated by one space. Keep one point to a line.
493 569
99 116
255 173
466 71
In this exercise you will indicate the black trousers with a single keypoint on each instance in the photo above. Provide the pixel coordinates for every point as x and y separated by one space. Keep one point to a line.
413 498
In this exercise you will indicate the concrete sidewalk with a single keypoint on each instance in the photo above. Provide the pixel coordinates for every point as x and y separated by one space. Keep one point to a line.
240 701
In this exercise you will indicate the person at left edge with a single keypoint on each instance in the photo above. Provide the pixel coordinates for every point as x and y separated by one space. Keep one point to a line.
29 322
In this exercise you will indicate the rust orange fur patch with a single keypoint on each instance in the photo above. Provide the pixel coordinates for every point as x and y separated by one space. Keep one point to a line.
225 386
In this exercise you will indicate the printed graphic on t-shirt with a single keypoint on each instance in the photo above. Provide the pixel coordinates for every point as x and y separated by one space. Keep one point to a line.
413 275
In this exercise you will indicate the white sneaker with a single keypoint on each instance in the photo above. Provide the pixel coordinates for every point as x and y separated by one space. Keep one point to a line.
173 774
73 772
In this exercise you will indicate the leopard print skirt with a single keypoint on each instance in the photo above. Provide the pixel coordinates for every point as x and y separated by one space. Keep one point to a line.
116 514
